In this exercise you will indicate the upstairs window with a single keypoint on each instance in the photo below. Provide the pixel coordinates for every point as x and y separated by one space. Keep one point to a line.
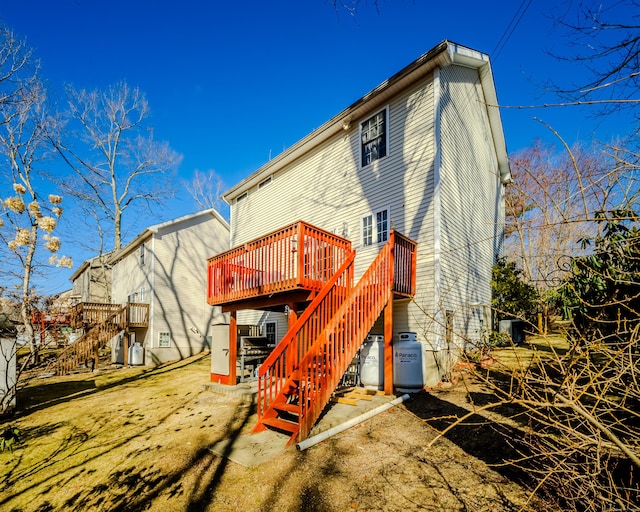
373 138
142 255
264 183
242 197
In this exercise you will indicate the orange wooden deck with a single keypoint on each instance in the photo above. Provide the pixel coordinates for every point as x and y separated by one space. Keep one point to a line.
294 261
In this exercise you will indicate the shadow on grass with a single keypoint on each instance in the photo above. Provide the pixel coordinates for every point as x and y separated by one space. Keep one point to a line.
47 392
493 442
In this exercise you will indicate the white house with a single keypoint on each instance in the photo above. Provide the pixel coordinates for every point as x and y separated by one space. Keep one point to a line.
422 155
157 295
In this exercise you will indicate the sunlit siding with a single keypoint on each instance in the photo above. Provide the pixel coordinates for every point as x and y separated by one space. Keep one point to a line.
470 210
328 189
129 276
179 303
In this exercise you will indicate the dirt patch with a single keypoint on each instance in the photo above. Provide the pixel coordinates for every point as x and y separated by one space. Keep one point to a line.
141 439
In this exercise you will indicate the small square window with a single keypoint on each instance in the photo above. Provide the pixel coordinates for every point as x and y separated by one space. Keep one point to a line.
164 339
373 138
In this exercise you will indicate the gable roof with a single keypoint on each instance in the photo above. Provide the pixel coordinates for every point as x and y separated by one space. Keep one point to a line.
444 54
164 226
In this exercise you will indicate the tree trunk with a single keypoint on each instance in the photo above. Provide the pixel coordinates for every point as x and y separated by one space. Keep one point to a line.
25 304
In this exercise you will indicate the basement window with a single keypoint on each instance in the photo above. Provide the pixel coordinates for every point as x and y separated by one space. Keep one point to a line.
164 339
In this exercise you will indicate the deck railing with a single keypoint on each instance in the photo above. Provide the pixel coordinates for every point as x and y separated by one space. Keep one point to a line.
404 265
298 256
86 314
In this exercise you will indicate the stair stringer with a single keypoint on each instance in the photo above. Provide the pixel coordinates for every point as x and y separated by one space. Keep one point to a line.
307 383
85 347
324 365
277 376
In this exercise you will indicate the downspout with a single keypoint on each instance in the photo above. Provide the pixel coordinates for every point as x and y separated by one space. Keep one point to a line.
437 162
152 291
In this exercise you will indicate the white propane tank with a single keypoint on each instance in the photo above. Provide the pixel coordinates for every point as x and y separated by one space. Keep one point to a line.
136 354
372 362
407 363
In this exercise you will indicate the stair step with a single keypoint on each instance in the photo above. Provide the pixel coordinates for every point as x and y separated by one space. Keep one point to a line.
280 424
285 407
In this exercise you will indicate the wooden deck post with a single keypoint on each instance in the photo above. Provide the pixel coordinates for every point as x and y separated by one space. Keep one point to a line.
233 347
293 314
125 356
388 348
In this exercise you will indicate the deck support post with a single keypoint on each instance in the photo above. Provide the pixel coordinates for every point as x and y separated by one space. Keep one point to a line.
293 314
388 348
233 347
125 356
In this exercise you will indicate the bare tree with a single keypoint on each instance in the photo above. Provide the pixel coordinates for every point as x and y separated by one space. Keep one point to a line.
551 205
116 162
206 189
24 146
603 38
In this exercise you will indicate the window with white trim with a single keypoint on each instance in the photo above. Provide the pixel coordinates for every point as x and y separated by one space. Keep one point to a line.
164 339
270 332
374 138
242 197
375 227
142 255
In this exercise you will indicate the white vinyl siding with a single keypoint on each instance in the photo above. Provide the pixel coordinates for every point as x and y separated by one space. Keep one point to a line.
471 214
327 188
180 281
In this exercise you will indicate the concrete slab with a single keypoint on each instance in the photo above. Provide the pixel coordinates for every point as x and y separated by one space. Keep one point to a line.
251 450
254 449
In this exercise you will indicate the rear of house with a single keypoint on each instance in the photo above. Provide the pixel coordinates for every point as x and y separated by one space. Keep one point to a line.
424 155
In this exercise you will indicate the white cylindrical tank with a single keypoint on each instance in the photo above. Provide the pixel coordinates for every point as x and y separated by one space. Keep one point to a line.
372 362
136 354
408 375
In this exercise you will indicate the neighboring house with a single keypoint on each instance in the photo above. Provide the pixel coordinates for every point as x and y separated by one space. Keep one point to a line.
158 296
422 155
92 280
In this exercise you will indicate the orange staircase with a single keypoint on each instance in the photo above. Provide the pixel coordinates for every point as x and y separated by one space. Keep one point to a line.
86 347
297 380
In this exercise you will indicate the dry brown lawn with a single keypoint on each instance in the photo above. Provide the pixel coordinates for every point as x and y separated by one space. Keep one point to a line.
139 439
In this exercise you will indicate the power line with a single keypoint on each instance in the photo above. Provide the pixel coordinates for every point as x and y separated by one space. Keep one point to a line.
513 24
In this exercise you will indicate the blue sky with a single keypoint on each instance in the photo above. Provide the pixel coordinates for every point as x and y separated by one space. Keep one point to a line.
232 83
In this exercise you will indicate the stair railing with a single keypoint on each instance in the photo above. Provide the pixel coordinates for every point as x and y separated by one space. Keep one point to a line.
276 371
83 349
333 351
